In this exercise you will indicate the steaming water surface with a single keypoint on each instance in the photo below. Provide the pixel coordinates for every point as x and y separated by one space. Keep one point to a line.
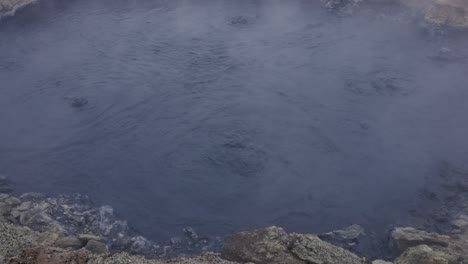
226 115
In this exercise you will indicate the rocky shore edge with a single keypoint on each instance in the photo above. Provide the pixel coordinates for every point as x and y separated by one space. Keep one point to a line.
36 228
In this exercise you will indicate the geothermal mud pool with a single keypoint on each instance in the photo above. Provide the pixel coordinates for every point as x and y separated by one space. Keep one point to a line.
232 115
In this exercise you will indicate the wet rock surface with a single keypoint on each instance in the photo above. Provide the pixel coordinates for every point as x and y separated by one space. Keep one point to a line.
274 245
35 228
73 222
346 238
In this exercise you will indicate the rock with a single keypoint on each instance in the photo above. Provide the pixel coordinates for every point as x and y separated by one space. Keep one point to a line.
422 254
69 242
3 197
460 222
47 238
96 247
347 237
42 206
406 237
55 228
5 209
24 206
449 13
25 217
378 261
273 245
12 201
313 250
39 221
87 237
268 245
107 223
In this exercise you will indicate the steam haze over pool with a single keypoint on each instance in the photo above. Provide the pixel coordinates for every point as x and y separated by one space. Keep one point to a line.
229 115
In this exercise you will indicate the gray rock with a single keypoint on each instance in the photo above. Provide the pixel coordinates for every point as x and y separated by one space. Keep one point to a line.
87 237
347 237
313 250
274 246
406 237
422 254
24 206
5 209
460 222
47 238
3 196
96 247
25 217
13 201
68 242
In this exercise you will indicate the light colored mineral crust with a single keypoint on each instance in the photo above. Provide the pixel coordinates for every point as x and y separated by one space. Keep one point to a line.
9 7
449 12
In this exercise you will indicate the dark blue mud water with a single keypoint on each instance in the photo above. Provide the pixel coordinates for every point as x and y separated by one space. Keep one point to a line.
225 115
